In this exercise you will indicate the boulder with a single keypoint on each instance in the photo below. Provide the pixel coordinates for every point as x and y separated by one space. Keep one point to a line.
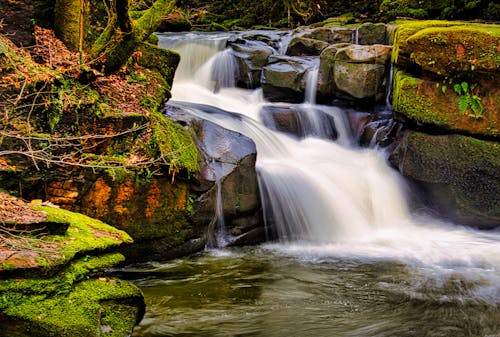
446 49
360 70
284 78
460 174
271 38
326 82
251 56
302 46
55 284
229 165
436 104
330 35
299 121
371 33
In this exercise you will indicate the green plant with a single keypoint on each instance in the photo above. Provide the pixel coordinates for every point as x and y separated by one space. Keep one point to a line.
468 99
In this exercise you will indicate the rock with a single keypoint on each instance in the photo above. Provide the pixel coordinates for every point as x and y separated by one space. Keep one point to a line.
448 48
435 104
460 174
355 70
57 287
302 46
163 60
251 56
359 80
372 33
155 210
330 35
284 79
230 160
274 39
360 70
299 121
326 82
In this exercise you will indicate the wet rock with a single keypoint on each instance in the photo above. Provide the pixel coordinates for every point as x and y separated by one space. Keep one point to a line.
330 35
299 121
229 164
326 81
302 46
360 70
251 56
372 33
460 174
284 79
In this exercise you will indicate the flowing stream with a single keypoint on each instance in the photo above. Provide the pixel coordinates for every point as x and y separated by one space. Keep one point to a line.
352 260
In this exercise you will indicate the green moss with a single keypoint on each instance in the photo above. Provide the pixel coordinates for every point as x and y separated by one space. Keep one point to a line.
465 166
67 26
84 233
414 106
445 50
405 29
433 103
173 143
18 291
82 312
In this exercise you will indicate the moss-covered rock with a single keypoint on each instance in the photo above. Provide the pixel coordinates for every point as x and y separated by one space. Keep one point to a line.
406 29
84 235
92 308
460 174
450 50
437 104
53 284
371 33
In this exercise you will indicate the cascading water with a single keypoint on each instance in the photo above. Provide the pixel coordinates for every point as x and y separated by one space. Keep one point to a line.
329 199
352 260
312 84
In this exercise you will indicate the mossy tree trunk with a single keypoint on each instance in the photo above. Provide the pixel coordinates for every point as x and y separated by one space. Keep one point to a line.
71 22
119 38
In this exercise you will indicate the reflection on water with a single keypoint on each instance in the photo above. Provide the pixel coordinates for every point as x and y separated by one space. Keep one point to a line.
266 292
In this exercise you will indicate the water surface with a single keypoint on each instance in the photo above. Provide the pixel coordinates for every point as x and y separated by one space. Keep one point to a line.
266 291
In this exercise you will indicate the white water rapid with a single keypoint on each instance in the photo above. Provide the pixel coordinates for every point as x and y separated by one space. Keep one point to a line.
329 199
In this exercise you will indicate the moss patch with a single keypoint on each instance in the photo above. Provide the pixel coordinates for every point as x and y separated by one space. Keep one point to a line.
50 252
173 143
445 50
426 102
405 29
92 307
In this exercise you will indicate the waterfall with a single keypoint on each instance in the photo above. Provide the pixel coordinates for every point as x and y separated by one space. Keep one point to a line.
196 50
355 36
331 198
388 94
312 84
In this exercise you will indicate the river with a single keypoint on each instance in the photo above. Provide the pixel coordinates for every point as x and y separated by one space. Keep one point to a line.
353 258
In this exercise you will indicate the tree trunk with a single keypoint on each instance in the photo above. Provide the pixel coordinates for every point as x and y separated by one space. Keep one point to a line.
71 22
119 38
123 35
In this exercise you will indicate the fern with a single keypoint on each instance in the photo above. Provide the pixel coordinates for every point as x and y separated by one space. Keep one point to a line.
468 99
